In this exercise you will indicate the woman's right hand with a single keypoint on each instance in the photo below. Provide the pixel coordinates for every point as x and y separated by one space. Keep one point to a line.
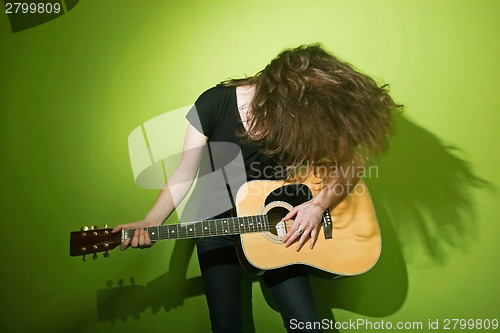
141 237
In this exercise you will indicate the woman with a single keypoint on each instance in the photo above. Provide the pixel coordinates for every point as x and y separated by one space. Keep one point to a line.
305 109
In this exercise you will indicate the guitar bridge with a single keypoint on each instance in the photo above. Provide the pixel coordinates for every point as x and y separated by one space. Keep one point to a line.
327 224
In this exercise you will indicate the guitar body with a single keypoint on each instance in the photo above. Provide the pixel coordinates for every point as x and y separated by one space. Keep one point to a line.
354 248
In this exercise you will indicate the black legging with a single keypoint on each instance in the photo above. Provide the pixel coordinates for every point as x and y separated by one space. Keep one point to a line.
222 274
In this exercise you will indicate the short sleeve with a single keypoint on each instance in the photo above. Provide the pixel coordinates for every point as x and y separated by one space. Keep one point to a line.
203 115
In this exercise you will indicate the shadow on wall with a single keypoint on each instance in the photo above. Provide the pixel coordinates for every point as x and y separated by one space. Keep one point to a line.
423 198
427 190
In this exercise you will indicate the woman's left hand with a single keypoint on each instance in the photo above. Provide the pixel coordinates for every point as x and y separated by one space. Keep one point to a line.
306 225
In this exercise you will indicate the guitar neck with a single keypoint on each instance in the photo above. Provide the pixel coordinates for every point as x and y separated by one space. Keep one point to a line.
206 228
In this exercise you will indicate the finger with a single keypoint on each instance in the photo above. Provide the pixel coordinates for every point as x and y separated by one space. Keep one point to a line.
117 229
135 239
148 239
286 238
292 230
292 235
124 245
290 214
314 237
121 227
142 237
302 240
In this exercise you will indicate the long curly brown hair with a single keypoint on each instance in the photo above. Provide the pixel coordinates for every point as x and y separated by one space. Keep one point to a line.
311 108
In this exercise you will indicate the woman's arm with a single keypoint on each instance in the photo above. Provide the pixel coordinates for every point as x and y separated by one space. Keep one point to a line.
173 191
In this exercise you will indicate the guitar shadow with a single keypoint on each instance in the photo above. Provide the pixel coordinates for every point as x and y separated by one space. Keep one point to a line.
167 292
422 193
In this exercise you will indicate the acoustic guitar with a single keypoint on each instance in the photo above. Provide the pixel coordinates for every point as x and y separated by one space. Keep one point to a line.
349 242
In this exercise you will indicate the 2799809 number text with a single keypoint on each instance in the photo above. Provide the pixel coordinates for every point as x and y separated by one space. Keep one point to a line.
32 7
471 324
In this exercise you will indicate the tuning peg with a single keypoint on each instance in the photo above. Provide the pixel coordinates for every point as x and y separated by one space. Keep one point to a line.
94 256
84 259
106 254
106 226
84 228
94 227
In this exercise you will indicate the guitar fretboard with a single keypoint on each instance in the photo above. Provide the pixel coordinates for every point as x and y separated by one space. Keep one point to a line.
206 228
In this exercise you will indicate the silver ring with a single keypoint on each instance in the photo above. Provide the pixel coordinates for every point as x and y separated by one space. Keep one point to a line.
300 231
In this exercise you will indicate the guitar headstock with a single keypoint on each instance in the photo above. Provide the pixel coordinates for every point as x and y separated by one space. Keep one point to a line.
93 240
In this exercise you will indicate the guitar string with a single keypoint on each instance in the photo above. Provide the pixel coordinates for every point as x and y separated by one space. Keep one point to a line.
245 224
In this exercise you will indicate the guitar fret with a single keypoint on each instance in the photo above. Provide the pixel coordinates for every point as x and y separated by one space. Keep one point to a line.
154 233
205 228
234 225
243 224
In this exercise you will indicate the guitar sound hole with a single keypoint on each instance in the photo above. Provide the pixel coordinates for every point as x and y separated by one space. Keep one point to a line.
275 215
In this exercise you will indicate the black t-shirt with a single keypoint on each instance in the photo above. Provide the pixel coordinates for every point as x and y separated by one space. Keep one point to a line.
216 115
229 161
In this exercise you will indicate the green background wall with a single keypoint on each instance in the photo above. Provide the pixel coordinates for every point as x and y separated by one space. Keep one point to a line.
72 89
